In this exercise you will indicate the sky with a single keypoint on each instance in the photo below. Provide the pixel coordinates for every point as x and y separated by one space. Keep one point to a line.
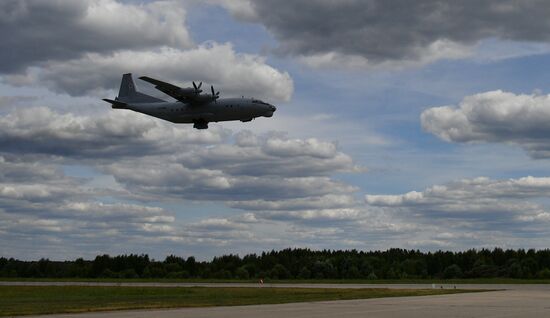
420 125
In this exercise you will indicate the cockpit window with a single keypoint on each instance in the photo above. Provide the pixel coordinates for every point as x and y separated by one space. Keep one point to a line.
257 101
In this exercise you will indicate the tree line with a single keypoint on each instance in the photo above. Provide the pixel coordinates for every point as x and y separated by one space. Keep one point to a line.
299 264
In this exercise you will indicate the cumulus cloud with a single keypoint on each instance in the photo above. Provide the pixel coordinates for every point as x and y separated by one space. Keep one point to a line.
359 33
37 31
32 187
42 203
312 213
218 64
218 224
17 171
56 216
322 202
84 230
40 130
95 41
177 181
272 155
314 217
440 49
270 165
272 177
495 116
63 214
483 199
241 9
240 172
478 212
6 101
310 147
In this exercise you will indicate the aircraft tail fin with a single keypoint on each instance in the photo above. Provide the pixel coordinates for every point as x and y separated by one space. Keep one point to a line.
129 94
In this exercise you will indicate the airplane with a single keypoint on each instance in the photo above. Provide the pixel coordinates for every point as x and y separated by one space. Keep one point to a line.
191 106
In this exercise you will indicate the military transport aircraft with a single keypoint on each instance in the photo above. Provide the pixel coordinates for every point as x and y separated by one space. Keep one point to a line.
191 106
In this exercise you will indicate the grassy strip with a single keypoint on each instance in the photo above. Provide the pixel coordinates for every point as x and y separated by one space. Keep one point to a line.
289 281
27 300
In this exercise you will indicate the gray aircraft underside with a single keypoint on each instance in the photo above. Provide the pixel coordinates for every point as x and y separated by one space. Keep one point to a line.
191 107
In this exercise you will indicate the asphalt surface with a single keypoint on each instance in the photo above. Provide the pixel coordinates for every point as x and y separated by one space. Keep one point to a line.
522 300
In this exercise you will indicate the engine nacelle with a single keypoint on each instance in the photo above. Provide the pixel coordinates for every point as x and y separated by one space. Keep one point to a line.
189 91
205 98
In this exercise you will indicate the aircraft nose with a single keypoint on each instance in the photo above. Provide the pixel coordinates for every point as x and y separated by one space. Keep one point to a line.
269 110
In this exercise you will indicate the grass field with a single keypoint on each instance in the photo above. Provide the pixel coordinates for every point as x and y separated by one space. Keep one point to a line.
25 300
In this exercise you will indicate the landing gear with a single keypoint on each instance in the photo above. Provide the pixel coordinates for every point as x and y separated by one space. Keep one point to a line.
200 124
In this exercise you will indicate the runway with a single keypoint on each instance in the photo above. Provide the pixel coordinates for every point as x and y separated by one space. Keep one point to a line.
505 303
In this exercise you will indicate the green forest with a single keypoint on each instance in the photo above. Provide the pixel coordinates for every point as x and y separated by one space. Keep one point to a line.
299 264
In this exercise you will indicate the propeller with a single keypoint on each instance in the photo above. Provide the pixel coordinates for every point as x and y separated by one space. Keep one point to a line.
197 87
215 95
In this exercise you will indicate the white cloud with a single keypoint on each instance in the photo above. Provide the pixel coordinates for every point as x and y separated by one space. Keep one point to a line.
268 166
486 200
52 209
273 155
218 224
495 116
328 216
357 34
242 9
95 41
155 22
234 74
40 130
479 212
292 147
438 50
274 178
33 32
176 181
322 202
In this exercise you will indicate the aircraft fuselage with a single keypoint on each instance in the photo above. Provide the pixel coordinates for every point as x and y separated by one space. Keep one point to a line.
191 106
226 109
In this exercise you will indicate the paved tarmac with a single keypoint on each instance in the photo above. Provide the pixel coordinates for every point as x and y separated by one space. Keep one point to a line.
523 303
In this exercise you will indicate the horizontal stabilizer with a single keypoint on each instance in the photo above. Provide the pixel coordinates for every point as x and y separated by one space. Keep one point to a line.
116 103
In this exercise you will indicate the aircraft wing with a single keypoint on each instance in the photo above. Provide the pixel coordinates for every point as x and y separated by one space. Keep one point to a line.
182 94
